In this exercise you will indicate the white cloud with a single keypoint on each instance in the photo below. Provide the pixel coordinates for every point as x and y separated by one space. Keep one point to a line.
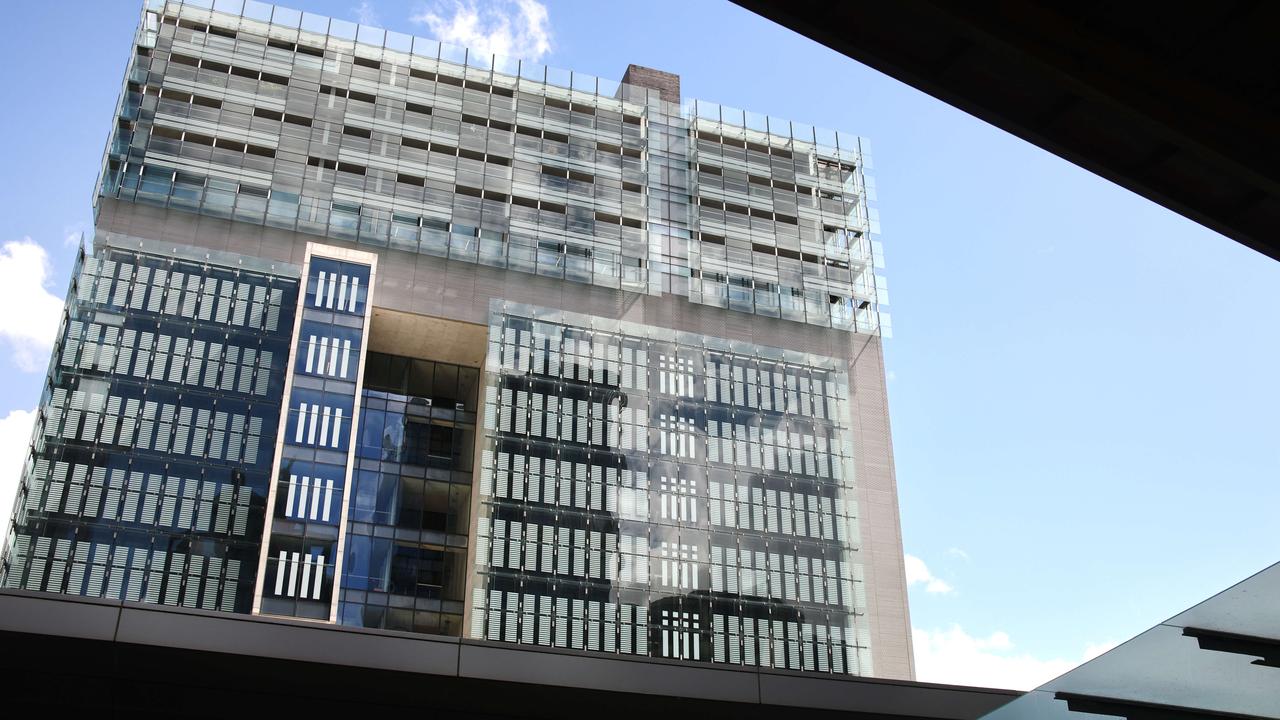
72 234
957 552
24 273
955 657
15 434
366 14
518 29
918 572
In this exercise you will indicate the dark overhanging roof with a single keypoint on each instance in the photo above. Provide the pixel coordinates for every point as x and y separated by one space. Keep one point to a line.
1178 102
107 657
1218 659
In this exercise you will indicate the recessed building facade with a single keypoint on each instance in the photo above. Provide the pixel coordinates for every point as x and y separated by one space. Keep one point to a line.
383 333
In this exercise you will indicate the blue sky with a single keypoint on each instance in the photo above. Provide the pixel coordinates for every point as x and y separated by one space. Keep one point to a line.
1082 384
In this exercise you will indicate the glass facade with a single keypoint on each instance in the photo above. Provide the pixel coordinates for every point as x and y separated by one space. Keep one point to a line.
410 515
147 478
314 464
658 493
273 117
335 376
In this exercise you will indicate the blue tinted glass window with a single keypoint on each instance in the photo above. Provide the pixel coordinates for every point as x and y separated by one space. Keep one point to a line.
328 350
366 496
337 286
356 572
372 423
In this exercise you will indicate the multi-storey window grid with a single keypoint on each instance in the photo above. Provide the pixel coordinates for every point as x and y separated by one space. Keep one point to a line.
726 513
292 121
406 565
306 521
156 421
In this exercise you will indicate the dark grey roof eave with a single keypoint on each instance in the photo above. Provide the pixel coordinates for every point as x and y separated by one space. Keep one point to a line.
143 625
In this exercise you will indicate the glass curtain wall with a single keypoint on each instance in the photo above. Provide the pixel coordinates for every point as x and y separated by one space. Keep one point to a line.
410 515
393 141
649 492
149 465
306 520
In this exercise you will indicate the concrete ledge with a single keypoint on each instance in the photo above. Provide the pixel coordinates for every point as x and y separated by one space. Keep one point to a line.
522 664
49 614
286 640
301 663
869 695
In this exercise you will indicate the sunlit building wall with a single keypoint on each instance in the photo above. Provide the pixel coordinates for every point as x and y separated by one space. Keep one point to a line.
381 332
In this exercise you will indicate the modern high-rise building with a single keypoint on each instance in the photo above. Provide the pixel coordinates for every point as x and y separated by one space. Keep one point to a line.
383 333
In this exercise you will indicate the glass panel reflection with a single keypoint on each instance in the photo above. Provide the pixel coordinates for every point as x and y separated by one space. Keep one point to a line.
407 541
148 474
645 496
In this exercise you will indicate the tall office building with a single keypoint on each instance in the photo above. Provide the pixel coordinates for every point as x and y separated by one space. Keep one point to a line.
384 333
